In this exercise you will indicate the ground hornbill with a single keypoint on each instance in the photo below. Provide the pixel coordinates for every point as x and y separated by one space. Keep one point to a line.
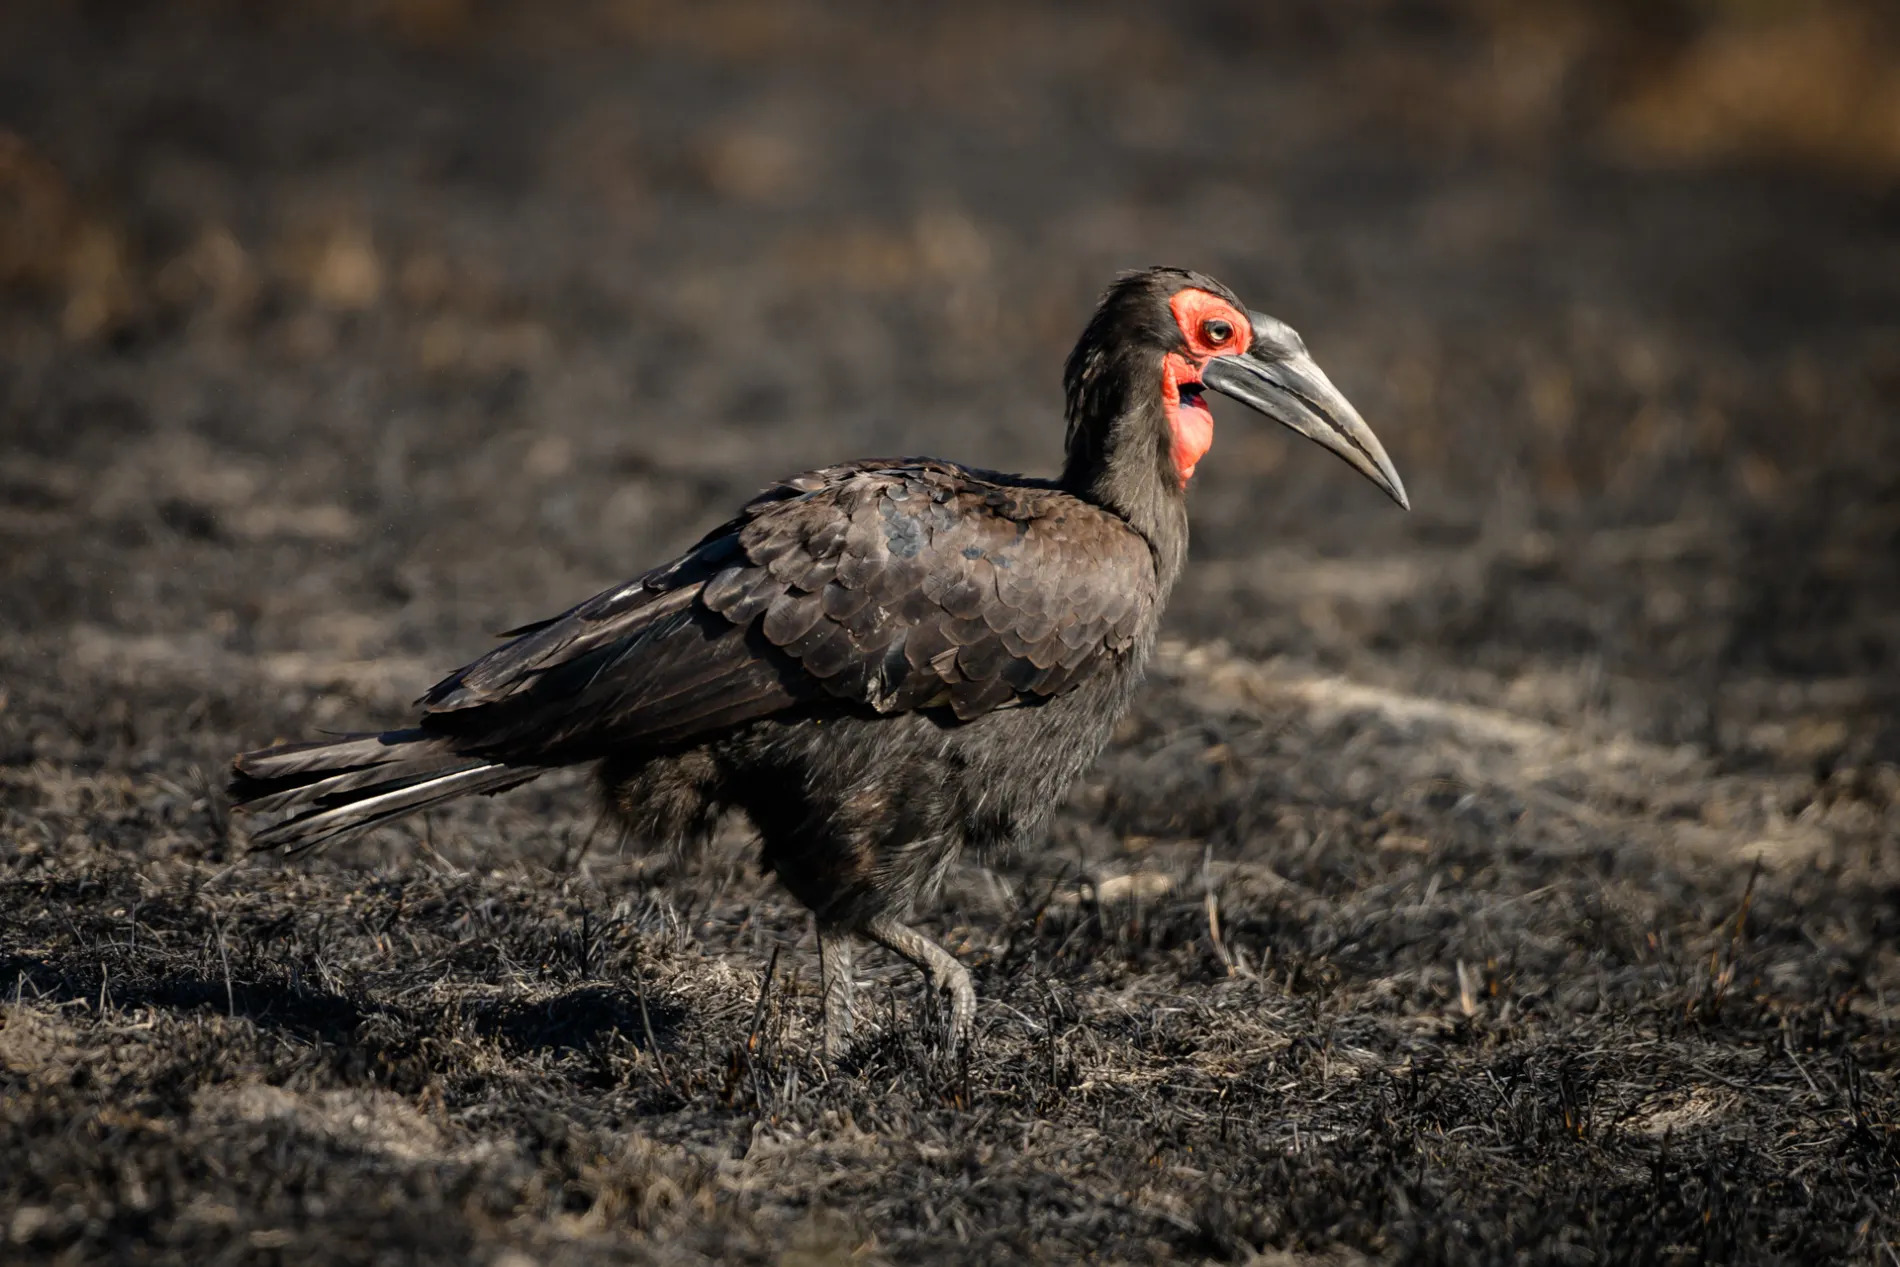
879 663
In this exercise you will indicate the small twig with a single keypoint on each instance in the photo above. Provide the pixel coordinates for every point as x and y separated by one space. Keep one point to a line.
1798 1066
1035 1030
428 842
1213 910
753 1042
1727 1082
230 996
1467 990
1722 976
1741 913
200 884
646 1024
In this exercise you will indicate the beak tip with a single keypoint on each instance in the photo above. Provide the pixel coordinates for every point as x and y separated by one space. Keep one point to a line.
1379 469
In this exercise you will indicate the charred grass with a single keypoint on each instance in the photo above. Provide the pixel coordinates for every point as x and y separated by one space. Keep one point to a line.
1315 1036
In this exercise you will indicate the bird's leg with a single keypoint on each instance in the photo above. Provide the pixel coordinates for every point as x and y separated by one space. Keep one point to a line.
940 969
837 983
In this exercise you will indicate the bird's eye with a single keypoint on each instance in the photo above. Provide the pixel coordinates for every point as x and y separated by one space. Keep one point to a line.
1216 331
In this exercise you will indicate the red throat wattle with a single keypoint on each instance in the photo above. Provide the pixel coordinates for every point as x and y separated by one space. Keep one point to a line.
1190 420
1199 314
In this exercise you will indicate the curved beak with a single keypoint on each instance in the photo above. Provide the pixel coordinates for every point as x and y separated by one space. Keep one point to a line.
1290 389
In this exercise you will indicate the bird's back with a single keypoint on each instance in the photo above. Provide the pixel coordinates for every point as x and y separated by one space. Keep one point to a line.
883 587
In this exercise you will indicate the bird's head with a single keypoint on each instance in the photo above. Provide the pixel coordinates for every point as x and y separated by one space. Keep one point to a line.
1159 340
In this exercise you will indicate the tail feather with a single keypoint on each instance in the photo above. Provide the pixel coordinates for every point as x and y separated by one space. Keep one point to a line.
335 789
339 788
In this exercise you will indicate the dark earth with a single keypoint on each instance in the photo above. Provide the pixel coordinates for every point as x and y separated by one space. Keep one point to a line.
1516 880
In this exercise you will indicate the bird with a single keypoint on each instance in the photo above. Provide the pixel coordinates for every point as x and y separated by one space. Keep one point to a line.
881 664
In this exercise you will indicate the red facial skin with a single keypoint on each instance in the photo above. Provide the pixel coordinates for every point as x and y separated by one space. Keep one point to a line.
1192 424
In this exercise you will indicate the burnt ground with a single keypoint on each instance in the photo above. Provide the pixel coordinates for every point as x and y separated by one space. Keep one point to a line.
1513 881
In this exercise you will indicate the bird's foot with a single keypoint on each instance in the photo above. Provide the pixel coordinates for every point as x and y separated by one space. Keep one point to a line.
940 969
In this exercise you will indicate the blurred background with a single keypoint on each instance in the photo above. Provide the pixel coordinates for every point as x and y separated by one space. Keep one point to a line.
367 327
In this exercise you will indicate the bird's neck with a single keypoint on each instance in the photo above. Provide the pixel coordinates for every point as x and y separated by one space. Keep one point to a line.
1124 465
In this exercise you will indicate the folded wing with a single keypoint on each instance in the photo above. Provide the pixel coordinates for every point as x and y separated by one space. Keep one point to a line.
890 585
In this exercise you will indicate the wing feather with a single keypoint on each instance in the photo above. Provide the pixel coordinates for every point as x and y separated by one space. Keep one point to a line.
885 585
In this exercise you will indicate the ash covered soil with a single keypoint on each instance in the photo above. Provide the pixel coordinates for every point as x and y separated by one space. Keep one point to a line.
1514 880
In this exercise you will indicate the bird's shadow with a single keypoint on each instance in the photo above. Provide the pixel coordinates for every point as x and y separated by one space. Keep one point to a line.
571 1021
290 1006
577 1019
